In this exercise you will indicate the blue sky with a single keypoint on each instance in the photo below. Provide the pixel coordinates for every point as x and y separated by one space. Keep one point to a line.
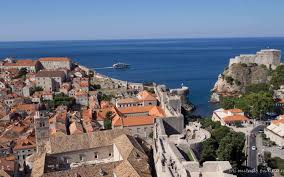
128 19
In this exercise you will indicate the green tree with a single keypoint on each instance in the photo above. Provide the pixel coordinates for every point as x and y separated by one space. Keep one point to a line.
228 102
108 120
231 148
277 77
208 152
255 88
259 103
219 133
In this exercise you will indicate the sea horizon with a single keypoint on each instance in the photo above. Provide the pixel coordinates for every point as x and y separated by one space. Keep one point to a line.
134 39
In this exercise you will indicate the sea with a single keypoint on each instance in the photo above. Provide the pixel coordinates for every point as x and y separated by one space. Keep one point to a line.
195 63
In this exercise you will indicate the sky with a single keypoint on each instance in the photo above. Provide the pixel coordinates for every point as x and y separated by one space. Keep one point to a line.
28 20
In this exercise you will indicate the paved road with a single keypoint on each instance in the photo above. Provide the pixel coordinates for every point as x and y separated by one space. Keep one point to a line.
252 154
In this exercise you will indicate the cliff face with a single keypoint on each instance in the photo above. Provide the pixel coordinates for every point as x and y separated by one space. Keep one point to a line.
234 79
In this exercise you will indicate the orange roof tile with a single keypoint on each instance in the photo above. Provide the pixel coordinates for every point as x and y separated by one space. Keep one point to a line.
135 109
25 143
133 121
145 95
235 110
235 118
129 100
277 122
157 111
22 63
25 107
54 59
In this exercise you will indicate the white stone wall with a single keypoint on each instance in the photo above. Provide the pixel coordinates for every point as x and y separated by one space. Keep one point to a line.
53 65
274 137
269 57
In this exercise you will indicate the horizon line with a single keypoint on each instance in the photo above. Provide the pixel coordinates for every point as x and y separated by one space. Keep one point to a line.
125 39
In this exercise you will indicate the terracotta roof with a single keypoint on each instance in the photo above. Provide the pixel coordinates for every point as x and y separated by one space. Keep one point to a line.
25 143
83 141
129 100
135 109
84 84
47 73
235 118
145 95
25 107
22 63
133 121
235 110
157 111
277 122
54 59
101 113
7 165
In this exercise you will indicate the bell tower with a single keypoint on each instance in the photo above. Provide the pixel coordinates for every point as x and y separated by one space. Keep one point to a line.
41 129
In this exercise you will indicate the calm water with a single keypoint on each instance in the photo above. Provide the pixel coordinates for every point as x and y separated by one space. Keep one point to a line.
193 62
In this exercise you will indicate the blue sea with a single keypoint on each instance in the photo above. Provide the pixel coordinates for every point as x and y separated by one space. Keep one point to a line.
195 63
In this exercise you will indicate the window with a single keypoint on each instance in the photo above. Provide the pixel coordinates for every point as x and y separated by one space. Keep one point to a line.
138 130
81 157
110 154
96 155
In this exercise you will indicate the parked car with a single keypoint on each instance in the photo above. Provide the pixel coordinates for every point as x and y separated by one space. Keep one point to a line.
253 148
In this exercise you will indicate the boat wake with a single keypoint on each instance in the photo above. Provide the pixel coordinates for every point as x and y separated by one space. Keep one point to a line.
110 67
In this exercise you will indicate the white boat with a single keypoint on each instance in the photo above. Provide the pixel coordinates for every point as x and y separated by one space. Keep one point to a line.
120 65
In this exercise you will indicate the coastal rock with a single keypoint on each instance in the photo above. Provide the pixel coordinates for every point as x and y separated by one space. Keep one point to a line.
233 80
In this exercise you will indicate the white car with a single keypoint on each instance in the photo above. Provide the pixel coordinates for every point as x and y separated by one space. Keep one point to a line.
253 148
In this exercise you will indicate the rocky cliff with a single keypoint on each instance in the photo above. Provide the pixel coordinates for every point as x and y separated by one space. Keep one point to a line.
233 80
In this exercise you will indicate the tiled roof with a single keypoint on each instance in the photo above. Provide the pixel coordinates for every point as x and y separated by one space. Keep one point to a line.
235 110
54 59
83 141
47 73
128 100
25 107
25 143
235 118
145 95
135 109
22 63
133 121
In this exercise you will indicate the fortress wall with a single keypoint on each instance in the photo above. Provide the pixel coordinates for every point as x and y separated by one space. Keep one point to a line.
268 57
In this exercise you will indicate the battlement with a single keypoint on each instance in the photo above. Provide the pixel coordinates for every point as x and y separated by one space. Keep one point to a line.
268 57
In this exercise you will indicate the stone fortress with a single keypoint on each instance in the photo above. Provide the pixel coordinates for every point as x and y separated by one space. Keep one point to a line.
268 57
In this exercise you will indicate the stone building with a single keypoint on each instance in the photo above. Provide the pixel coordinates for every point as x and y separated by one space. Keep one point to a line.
229 117
275 131
50 80
269 57
41 124
104 153
143 98
139 120
54 63
30 65
24 147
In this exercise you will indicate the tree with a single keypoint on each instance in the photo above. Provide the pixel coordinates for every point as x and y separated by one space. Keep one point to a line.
255 88
259 103
208 152
228 102
277 77
231 148
208 123
219 133
108 120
